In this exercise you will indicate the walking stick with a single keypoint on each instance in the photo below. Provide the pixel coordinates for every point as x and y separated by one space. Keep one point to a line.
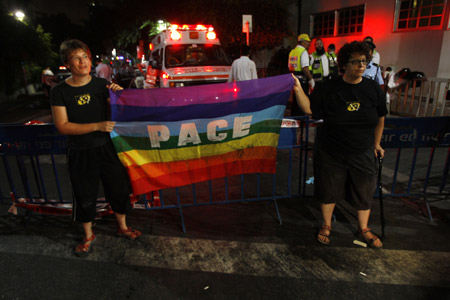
380 194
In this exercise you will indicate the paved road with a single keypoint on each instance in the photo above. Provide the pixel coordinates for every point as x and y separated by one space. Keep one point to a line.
236 251
26 108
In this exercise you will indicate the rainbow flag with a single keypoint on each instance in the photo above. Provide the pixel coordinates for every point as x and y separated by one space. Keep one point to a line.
178 136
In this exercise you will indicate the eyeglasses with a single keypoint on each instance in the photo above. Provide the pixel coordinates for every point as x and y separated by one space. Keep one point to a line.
359 61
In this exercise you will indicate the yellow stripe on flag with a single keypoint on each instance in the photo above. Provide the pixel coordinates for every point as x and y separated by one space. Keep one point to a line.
140 157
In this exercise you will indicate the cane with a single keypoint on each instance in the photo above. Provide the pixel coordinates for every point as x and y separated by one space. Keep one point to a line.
380 194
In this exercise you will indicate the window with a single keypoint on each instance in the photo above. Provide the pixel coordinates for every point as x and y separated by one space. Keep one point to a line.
351 20
419 14
323 24
195 55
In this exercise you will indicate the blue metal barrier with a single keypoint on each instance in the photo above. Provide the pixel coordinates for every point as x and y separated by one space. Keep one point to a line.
29 145
30 153
418 135
413 145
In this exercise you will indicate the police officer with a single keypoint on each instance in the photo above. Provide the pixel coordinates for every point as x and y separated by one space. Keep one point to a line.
375 55
299 65
319 63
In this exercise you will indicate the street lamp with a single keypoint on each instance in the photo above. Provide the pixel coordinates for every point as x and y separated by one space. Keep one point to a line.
19 15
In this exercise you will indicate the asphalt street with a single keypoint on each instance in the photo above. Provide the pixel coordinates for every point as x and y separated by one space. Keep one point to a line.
234 251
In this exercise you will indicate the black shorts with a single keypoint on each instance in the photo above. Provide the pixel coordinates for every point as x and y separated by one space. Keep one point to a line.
86 168
339 176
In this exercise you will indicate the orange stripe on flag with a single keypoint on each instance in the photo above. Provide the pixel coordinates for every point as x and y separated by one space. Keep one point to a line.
159 169
174 179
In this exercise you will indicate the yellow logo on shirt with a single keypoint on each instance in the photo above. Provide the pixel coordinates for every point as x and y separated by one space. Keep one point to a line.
353 106
83 99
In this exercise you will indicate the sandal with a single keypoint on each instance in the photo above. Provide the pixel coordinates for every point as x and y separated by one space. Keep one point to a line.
369 237
84 248
129 233
322 237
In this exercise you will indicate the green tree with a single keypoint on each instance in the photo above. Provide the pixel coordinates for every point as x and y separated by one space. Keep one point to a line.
138 20
25 51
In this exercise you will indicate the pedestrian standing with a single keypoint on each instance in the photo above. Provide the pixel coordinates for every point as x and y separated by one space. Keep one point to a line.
299 65
243 68
353 109
103 70
319 63
80 110
332 60
373 70
376 58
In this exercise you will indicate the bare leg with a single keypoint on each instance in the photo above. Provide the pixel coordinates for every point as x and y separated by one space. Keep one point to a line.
363 221
121 221
124 230
87 227
83 248
363 218
327 213
325 230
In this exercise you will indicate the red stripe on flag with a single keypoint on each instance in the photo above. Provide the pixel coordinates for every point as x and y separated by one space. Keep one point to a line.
158 169
175 179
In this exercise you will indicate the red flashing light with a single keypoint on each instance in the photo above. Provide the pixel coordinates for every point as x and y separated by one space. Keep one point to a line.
210 35
199 27
164 75
175 35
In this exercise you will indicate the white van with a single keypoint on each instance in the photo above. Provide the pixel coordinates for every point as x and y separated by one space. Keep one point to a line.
187 55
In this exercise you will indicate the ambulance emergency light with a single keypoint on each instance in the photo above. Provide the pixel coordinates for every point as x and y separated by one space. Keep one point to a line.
175 29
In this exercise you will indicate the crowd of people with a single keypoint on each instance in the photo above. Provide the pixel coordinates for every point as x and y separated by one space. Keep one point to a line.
343 90
314 69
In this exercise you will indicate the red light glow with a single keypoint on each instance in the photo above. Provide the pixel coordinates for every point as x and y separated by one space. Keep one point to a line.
211 35
175 35
164 75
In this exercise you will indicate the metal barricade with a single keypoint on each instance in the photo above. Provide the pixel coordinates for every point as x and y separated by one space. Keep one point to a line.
416 163
33 161
41 178
419 168
422 97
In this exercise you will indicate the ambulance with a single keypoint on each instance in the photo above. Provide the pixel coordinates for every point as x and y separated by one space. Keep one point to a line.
187 55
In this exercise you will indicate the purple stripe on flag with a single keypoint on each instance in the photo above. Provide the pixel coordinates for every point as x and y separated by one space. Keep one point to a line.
204 94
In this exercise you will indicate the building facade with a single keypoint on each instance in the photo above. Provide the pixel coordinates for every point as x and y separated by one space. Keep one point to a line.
411 34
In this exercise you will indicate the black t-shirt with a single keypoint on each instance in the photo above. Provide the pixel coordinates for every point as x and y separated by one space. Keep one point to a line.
84 104
350 113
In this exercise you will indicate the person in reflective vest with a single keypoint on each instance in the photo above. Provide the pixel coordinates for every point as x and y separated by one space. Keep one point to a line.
299 65
319 63
332 61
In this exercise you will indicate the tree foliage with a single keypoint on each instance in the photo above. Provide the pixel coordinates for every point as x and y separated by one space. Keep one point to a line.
269 19
25 51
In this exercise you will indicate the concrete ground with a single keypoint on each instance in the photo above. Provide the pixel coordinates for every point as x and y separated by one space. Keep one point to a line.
235 251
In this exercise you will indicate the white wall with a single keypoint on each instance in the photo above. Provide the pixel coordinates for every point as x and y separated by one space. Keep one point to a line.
425 51
444 64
